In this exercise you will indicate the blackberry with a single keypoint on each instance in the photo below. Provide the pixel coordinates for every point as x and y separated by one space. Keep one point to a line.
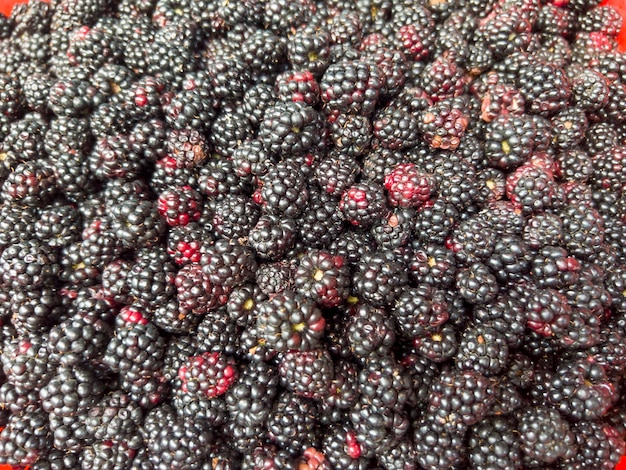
545 88
545 435
274 278
482 349
30 184
309 49
442 79
151 278
81 338
344 391
432 265
292 424
581 390
322 221
531 189
17 224
477 284
187 146
509 140
137 224
552 266
111 157
379 162
66 398
307 373
407 186
434 221
437 345
190 108
196 294
351 87
569 127
177 442
250 158
25 362
148 138
444 123
506 32
574 165
272 236
283 190
107 454
608 169
323 277
384 383
493 443
25 438
542 230
290 128
506 315
378 276
34 309
288 321
335 173
369 331
396 128
394 231
419 310
498 98
217 332
377 428
341 448
599 445
113 417
510 259
228 264
28 264
352 245
137 348
436 446
234 216
363 204
218 178
548 312
228 131
455 179
473 240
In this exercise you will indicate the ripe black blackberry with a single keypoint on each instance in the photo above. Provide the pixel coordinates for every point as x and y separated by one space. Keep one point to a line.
30 183
151 278
574 165
378 277
341 448
543 229
34 309
509 140
583 231
544 435
420 310
568 128
443 124
455 179
292 424
272 236
114 416
321 222
394 230
477 284
438 345
25 362
369 330
79 339
190 108
228 131
432 265
545 88
498 98
216 178
137 224
276 277
494 444
283 190
599 445
608 169
379 162
234 216
351 87
25 438
177 442
148 138
552 266
434 220
111 158
195 293
335 173
323 277
384 383
390 427
28 264
436 446
67 397
482 349
459 399
17 223
396 128
289 321
228 264
307 373
471 241
510 259
136 348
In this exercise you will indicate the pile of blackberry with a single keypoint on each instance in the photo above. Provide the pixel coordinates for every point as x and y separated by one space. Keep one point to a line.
312 235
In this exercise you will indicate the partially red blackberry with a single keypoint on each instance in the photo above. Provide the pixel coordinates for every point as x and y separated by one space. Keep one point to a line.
341 448
289 321
378 277
442 78
351 87
210 374
444 123
195 293
599 445
180 205
363 204
30 183
323 277
544 435
292 424
407 186
552 266
283 190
